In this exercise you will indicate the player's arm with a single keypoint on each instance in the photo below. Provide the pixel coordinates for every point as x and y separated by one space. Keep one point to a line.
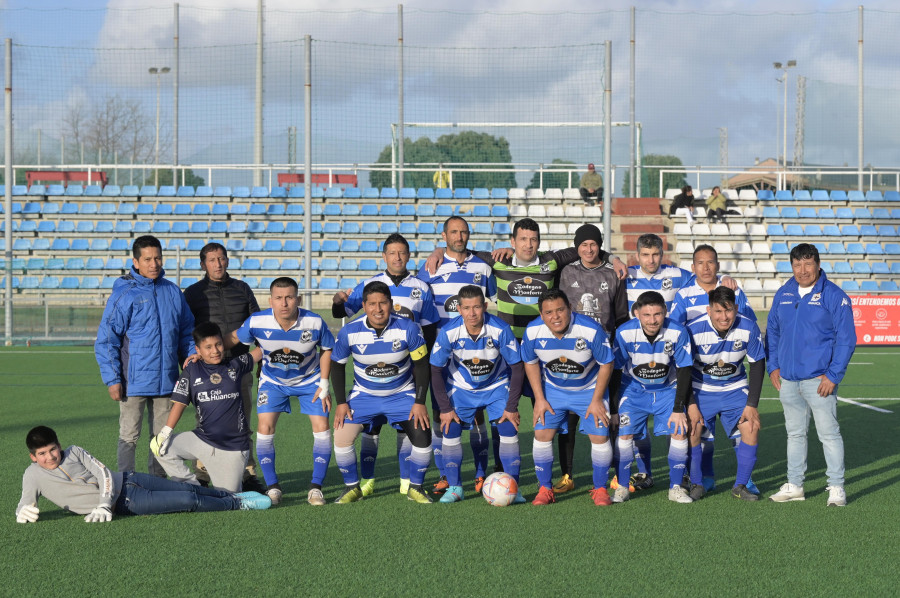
256 355
422 380
597 409
337 304
231 339
323 391
751 410
541 405
186 328
435 260
620 306
108 346
439 388
27 510
181 396
429 332
682 396
103 511
844 343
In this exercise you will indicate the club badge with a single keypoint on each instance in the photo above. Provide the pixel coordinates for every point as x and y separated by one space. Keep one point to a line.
306 336
215 378
396 345
580 345
416 293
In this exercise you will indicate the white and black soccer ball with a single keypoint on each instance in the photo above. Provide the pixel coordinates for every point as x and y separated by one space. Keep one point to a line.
500 489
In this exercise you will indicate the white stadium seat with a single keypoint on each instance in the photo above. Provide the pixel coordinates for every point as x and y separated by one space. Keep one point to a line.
751 285
574 212
557 245
737 229
537 212
671 193
544 246
752 212
557 228
592 214
760 248
748 194
682 229
555 212
746 267
728 265
534 194
730 194
742 248
517 193
723 248
573 226
684 248
518 211
542 227
686 264
765 267
554 194
719 230
699 212
757 230
572 194
701 230
771 284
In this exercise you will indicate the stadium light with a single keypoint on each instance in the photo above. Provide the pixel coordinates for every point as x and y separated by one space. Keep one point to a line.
159 72
784 68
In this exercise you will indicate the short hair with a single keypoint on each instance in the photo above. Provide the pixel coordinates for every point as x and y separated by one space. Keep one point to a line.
451 218
722 296
283 282
706 247
376 286
804 251
142 242
716 187
526 224
686 188
648 298
552 295
395 238
210 247
205 331
40 437
649 241
471 291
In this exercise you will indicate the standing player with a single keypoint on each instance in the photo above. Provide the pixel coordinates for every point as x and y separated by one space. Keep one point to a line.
477 357
390 379
414 301
654 355
296 346
568 362
719 342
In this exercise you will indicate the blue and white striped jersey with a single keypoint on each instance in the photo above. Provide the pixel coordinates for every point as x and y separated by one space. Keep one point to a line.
651 365
382 365
475 364
718 360
572 362
412 299
290 357
691 302
451 276
667 281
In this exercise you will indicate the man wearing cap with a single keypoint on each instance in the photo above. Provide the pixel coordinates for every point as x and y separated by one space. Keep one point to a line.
591 186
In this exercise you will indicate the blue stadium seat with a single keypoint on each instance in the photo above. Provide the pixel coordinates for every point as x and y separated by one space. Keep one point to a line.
463 193
793 230
275 227
855 196
388 228
820 195
74 191
348 264
294 228
481 228
31 207
117 245
52 190
836 249
334 193
849 286
329 283
425 193
862 268
114 263
844 213
801 195
180 228
812 230
270 263
370 193
862 213
126 209
874 249
331 228
234 245
181 209
88 282
780 248
207 191
892 248
874 195
68 208
80 244
483 246
50 282
185 191
881 268
783 268
350 228
50 207
881 213
316 228
199 227
427 228
40 244
256 193
888 285
765 194
838 195
368 209
331 246
236 227
481 211
218 228
499 193
868 230
855 248
99 244
328 263
290 264
369 228
850 230
112 191
272 245
388 210
250 263
332 209
789 212
826 213
425 211
842 268
783 195
775 230
352 193
349 246
46 226
480 193
37 190
278 193
443 194
253 245
499 211
426 246
407 211
771 212
141 228
808 213
892 196
443 211
34 263
831 230
369 246
368 264
201 209
886 230
406 228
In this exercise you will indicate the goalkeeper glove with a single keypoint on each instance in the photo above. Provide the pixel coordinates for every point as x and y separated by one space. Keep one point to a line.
28 514
100 514
159 444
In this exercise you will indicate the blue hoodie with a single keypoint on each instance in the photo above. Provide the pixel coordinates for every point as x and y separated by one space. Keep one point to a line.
810 336
144 335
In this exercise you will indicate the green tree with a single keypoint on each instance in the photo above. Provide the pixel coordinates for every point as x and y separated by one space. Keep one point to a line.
650 176
554 180
165 178
421 151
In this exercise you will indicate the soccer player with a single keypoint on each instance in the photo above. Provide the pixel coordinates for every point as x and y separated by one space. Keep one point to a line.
475 365
719 342
390 379
413 300
220 440
74 480
568 361
654 355
296 345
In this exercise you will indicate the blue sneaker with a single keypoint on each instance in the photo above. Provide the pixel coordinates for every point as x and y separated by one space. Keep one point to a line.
709 483
519 499
253 501
752 487
452 494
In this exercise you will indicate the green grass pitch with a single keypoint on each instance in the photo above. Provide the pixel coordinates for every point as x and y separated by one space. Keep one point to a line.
386 546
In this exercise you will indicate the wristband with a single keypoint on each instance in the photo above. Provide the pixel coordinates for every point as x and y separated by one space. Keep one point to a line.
325 385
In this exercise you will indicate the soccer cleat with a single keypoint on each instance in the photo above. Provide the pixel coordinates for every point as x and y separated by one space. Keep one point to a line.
441 486
601 497
274 493
565 484
740 491
315 497
253 501
677 494
621 494
709 483
479 484
367 485
686 482
788 492
696 491
836 496
349 495
641 481
544 496
519 499
453 494
752 487
252 484
404 485
418 494
615 484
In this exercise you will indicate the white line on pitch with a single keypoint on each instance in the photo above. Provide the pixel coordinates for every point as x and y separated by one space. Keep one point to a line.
861 363
858 404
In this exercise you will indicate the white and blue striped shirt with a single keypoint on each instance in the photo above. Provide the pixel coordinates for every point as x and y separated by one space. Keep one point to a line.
719 360
451 276
481 363
411 299
667 281
691 303
652 365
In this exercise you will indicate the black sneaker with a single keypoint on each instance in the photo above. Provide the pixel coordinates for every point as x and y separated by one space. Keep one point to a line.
697 492
641 481
252 484
740 491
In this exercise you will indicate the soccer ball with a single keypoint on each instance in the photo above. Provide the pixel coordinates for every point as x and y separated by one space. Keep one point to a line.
500 489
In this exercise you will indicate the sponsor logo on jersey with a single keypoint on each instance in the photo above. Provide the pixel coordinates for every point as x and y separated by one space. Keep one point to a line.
526 290
197 382
262 400
693 300
477 367
232 374
461 343
285 359
564 367
306 336
403 312
182 387
215 378
416 294
575 285
720 370
580 345
738 345
382 370
202 397
361 348
844 302
451 305
396 345
816 297
651 371
668 348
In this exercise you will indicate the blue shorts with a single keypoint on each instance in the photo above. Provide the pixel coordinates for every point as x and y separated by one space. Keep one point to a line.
366 408
275 398
728 406
637 405
467 403
576 402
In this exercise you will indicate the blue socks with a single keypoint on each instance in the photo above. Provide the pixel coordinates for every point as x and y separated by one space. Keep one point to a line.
436 444
321 456
642 454
543 462
626 457
509 455
601 459
419 460
696 464
265 454
479 441
346 462
404 449
678 450
746 461
452 454
368 452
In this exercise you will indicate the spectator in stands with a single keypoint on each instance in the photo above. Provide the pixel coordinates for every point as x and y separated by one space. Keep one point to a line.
716 205
226 302
144 336
683 204
591 186
441 179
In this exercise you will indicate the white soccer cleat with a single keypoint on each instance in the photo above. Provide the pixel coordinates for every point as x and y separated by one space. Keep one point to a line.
788 492
678 494
621 494
274 493
315 497
836 496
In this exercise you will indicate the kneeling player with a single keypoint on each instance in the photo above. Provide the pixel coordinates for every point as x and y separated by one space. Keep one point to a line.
720 340
568 362
476 355
74 480
390 378
220 440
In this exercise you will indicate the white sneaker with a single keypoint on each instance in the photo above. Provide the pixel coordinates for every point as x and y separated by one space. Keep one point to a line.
677 494
836 496
315 497
274 494
621 494
788 492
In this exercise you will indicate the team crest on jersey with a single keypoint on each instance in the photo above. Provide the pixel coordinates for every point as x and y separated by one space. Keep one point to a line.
667 284
624 420
396 345
545 268
197 382
306 336
263 399
232 374
397 307
489 344
181 388
604 286
215 378
816 297
580 345
668 348
738 345
416 293
476 278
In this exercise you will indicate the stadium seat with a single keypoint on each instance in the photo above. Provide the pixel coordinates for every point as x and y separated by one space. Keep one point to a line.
849 286
892 248
407 193
499 193
808 213
744 194
765 194
783 195
389 228
801 195
771 212
820 195
812 230
443 194
838 195
250 263
443 211
836 249
180 228
874 249
462 193
389 193
842 268
783 268
775 230
349 246
425 193
855 196
881 213
888 285
185 191
166 191
780 248
790 212
862 213
207 191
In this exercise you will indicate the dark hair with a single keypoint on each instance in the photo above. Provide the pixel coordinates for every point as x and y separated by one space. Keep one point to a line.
210 247
395 238
283 282
722 296
142 242
709 248
471 291
460 218
206 330
685 189
40 437
648 298
649 241
526 224
553 295
376 286
804 251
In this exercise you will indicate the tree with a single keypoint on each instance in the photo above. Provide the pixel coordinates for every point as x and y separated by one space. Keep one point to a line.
421 151
650 176
165 178
118 128
554 180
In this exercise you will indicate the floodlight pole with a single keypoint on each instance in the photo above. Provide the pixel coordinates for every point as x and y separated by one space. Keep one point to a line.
400 94
9 180
784 68
607 148
859 102
159 72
